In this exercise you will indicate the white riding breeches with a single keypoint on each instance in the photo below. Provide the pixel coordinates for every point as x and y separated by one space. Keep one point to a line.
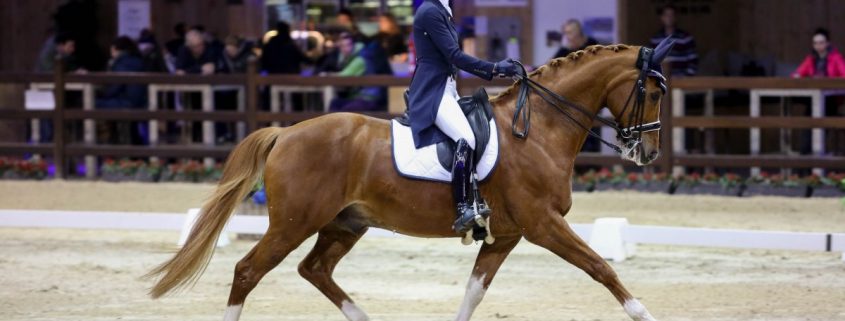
450 118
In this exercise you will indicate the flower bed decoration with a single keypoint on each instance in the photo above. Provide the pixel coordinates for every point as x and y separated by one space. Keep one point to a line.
15 168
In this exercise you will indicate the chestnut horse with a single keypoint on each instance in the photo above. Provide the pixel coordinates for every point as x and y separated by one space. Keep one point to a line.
334 176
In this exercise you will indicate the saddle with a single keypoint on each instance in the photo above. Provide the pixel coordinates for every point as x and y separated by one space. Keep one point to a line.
479 112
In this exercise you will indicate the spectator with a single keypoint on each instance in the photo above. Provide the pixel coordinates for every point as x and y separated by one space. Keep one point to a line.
346 21
372 98
575 38
823 61
390 38
175 45
683 58
195 57
151 53
211 41
235 56
64 46
281 55
345 50
125 57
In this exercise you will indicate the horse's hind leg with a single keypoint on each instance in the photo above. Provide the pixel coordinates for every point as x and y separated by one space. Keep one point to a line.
266 255
333 242
555 235
489 259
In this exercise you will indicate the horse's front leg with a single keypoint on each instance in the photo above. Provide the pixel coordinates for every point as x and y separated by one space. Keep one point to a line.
553 233
489 259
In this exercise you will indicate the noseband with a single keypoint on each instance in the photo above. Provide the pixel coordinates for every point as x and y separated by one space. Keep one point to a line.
630 136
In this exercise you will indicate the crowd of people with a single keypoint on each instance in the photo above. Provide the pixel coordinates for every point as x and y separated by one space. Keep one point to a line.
345 52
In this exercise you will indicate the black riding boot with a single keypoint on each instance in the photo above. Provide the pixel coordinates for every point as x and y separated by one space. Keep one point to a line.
462 190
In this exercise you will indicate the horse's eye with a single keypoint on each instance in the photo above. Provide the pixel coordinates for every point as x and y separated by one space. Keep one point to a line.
654 96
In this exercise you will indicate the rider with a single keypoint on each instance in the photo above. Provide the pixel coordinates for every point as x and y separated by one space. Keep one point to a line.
433 103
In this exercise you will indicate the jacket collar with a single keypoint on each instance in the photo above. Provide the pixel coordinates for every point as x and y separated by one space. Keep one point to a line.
444 5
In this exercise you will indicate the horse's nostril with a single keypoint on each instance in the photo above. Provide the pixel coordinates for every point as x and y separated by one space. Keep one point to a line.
653 155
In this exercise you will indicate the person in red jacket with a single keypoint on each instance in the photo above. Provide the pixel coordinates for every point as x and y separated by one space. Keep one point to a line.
824 61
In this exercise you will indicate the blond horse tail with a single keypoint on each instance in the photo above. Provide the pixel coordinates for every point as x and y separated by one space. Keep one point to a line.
243 168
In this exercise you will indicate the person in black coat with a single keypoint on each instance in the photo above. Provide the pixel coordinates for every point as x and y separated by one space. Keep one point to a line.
575 38
281 55
125 58
434 112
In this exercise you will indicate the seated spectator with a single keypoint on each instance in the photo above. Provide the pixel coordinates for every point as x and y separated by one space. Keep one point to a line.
372 98
281 55
391 38
575 38
125 57
64 45
235 56
151 53
683 58
196 57
823 61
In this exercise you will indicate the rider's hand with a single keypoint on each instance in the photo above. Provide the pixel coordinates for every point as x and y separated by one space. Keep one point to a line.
505 68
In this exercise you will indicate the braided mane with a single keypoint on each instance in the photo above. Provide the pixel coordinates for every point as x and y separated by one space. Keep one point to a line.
557 63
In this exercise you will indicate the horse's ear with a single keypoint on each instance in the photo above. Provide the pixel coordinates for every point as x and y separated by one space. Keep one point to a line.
662 50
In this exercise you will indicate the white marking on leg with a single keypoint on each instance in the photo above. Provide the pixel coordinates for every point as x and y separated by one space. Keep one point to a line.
637 310
473 296
233 312
352 312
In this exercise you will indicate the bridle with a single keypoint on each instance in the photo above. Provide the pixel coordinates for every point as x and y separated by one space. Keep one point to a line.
630 136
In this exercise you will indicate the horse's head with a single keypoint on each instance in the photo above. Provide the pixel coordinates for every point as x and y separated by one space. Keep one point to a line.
633 98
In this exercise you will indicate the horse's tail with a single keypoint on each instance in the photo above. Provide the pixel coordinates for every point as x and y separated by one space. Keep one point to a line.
243 169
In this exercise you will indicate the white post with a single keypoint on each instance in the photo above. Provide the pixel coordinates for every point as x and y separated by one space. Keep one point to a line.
608 239
89 130
678 133
818 133
755 131
208 126
152 98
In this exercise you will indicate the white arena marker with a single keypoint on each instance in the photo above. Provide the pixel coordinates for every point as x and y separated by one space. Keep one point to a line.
608 240
188 225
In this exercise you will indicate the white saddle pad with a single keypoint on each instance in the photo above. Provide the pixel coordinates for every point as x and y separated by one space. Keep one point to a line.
423 163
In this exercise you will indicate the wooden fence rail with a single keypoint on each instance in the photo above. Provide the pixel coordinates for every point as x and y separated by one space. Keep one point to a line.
252 117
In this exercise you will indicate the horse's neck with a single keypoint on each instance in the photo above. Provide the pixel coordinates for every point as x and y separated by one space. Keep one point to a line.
552 135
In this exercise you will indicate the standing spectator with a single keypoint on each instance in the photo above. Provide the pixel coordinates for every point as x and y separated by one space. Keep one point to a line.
234 60
64 46
683 58
281 55
196 57
823 61
346 21
575 38
151 53
125 57
390 38
235 56
175 45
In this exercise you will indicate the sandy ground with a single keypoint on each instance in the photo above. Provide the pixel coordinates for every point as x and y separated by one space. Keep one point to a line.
54 274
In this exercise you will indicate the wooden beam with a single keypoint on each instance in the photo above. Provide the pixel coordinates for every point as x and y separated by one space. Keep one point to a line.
762 122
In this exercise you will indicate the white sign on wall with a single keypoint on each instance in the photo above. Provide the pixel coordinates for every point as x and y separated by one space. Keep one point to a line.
132 17
501 3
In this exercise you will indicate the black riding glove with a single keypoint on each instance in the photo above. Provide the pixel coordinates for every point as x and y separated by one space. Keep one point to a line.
505 68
